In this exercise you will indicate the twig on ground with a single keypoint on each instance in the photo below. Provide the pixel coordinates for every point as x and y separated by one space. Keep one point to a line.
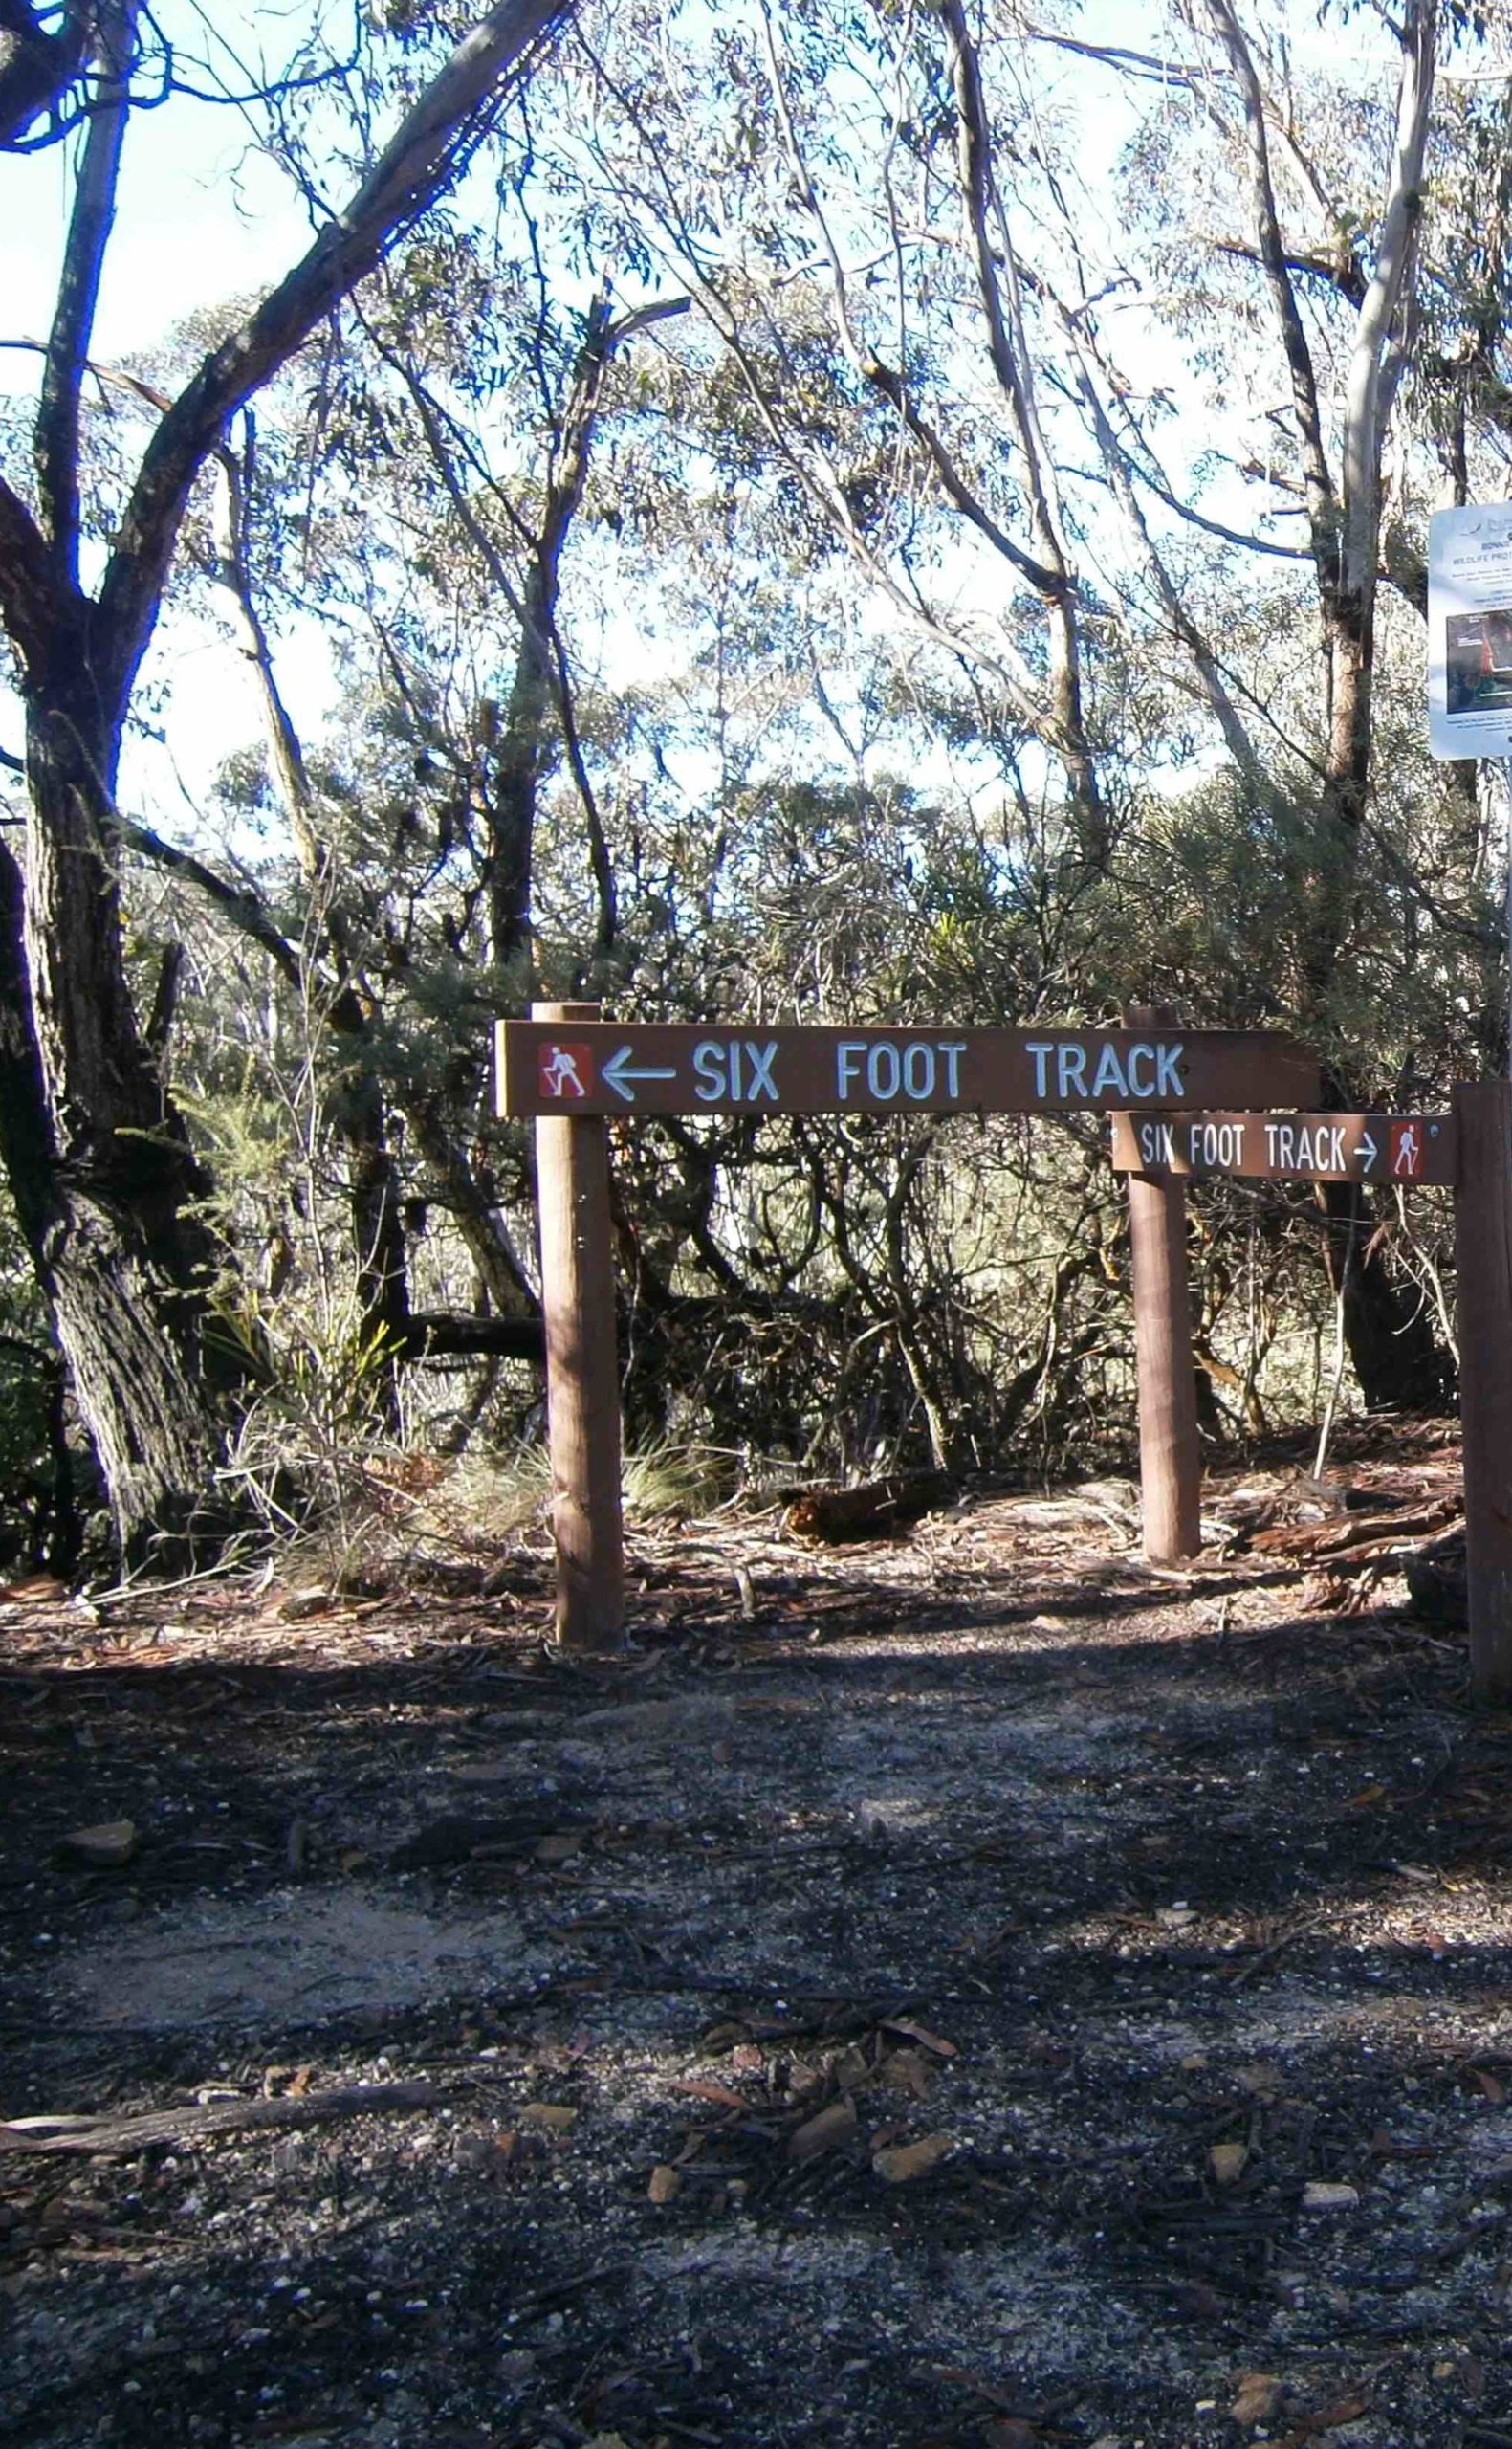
114 2135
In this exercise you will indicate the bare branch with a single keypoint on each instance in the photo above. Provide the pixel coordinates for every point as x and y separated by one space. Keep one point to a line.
412 170
1195 518
1141 64
982 203
1370 384
246 911
1237 739
1322 503
56 438
234 578
1340 272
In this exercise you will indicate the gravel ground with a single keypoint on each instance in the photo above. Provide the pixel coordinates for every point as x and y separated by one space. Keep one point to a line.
968 1988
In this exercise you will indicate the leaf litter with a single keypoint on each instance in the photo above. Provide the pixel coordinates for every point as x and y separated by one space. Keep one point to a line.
964 1989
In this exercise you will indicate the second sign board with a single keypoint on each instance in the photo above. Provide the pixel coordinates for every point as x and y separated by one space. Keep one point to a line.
1289 1147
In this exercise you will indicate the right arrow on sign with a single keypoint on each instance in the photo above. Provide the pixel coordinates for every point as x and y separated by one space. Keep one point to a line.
1367 1151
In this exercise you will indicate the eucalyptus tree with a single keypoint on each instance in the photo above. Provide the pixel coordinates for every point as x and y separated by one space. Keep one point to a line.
986 367
829 184
1288 208
105 1182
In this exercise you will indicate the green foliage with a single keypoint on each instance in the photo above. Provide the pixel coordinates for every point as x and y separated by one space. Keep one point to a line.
762 662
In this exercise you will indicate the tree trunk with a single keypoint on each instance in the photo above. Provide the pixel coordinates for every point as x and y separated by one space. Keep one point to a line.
1398 1361
25 1152
111 1208
1388 1331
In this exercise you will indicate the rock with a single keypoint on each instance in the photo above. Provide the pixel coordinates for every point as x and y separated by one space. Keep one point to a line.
546 2117
1435 1579
665 2184
1227 2162
103 1847
827 2132
302 1603
1319 2196
901 2161
1256 2397
906 2070
480 2153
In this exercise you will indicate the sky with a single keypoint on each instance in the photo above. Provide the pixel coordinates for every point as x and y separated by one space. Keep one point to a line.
204 214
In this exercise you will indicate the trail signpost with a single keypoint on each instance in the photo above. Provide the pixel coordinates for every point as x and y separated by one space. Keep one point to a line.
1182 1102
571 1073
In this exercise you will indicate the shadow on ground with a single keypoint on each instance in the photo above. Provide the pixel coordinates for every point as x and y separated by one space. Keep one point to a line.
1023 2002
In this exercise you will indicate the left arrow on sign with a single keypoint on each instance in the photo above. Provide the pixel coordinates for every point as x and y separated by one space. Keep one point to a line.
619 1072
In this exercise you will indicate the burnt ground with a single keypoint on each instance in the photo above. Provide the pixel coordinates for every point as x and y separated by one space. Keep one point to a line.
1169 1917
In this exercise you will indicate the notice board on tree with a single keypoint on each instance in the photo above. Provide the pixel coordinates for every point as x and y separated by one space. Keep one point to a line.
599 1068
1289 1147
1470 630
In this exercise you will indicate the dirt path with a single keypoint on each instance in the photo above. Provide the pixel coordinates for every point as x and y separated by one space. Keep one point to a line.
969 1990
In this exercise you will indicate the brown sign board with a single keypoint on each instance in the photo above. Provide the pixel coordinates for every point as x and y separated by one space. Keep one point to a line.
1289 1147
602 1068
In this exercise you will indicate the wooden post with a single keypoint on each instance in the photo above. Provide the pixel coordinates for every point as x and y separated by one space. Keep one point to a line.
1483 1255
582 1378
1170 1456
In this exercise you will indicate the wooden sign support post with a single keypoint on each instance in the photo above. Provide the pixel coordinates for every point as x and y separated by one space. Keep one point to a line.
1170 1455
1483 1255
582 1377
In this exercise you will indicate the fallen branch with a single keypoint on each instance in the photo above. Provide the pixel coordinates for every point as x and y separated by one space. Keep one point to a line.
1315 1540
111 2134
1268 1955
561 2288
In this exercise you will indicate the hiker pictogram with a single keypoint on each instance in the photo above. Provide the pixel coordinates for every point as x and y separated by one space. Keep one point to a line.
566 1072
1407 1151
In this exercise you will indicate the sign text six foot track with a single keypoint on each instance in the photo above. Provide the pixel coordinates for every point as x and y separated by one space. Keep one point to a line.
599 1066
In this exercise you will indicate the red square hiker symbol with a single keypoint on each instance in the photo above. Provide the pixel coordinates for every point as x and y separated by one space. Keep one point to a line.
565 1071
1407 1149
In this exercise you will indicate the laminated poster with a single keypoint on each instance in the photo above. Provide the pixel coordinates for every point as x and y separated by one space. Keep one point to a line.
1470 630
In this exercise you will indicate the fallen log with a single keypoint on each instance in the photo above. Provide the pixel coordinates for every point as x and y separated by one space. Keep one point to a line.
872 1511
1308 1541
